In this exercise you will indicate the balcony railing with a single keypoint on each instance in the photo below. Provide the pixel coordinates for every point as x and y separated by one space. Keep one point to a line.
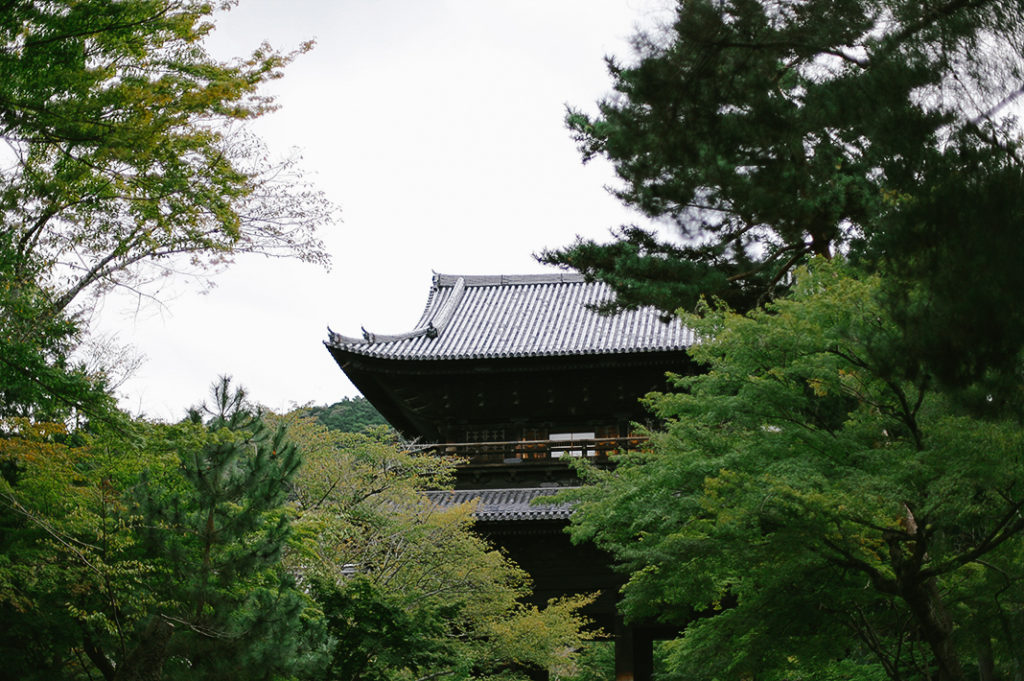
525 451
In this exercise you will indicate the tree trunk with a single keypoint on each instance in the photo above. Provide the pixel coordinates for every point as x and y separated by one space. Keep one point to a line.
986 665
936 626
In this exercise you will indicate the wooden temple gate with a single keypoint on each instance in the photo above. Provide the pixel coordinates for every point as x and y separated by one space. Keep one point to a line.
516 375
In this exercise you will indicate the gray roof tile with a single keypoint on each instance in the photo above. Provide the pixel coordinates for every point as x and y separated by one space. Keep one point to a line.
505 504
519 316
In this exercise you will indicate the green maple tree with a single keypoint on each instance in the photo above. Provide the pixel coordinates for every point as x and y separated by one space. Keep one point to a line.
810 513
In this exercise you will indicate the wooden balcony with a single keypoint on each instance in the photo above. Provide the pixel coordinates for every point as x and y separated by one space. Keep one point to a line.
537 451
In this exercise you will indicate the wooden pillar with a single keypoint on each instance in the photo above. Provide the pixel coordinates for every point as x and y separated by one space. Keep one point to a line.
643 655
634 653
623 651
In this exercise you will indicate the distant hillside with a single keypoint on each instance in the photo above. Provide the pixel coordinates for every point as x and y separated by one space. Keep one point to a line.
351 415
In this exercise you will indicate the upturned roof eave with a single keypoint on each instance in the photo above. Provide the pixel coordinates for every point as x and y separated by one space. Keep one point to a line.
430 339
359 350
431 312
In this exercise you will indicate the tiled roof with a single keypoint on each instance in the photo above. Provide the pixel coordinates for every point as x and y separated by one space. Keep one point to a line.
519 316
505 504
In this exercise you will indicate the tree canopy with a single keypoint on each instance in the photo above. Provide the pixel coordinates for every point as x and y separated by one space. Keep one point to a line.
121 152
837 495
407 588
761 133
242 542
351 415
156 555
125 161
806 515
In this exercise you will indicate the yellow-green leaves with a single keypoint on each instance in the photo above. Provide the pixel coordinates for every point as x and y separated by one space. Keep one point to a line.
132 161
407 588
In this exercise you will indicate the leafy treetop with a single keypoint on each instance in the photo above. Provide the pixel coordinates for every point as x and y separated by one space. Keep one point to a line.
811 514
351 415
125 160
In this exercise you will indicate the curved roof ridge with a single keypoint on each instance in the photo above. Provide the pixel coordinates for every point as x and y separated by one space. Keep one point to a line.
507 279
444 315
432 296
432 321
369 337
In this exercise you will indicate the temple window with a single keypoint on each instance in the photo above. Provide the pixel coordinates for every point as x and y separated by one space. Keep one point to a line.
572 446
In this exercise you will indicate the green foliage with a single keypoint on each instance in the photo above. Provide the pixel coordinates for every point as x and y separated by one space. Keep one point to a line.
407 589
766 132
209 549
130 549
156 551
950 262
808 513
118 120
45 505
125 161
219 526
375 633
38 379
838 496
596 662
351 415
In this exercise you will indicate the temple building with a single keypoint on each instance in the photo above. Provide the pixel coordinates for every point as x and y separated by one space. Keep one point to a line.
517 375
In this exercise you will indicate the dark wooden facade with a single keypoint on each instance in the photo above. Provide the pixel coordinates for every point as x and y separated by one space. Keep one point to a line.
500 417
496 399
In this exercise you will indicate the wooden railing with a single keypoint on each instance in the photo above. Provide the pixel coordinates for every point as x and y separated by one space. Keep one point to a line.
524 451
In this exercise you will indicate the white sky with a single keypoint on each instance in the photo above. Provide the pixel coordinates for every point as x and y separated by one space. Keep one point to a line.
437 127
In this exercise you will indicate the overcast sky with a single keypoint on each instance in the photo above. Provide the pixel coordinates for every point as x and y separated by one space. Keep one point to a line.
437 128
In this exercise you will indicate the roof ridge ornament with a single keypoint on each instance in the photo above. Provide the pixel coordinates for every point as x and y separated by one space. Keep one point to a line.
432 330
441 319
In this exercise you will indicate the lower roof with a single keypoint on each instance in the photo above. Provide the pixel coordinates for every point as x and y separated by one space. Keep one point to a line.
506 505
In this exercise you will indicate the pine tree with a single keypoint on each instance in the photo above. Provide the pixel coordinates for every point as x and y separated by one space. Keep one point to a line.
152 551
219 533
762 133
